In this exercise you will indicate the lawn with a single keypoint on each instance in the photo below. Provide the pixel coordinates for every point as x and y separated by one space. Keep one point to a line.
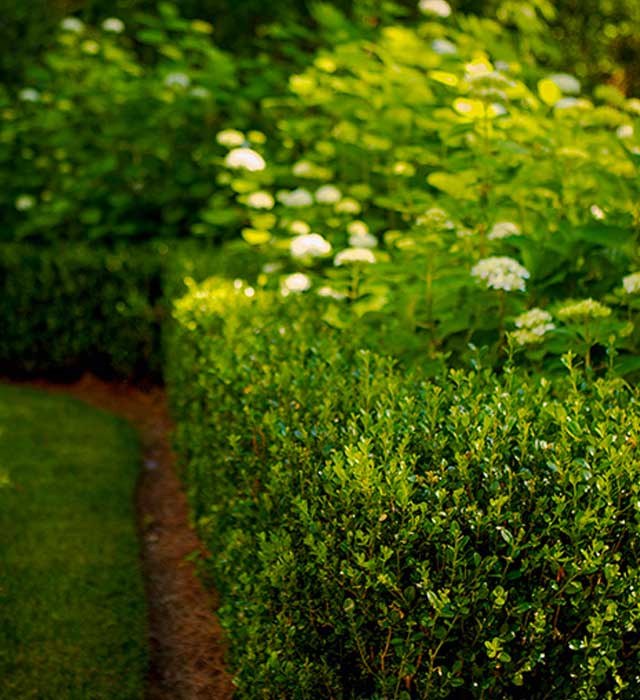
72 610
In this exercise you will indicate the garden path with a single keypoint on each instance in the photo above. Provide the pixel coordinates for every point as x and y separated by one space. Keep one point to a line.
185 638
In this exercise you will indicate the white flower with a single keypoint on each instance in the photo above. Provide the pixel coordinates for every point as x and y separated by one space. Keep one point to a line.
72 24
532 325
230 138
503 229
443 47
596 212
363 240
625 131
25 202
533 318
296 198
354 255
586 308
270 268
297 282
200 92
348 205
501 273
311 245
328 194
440 8
357 228
245 159
302 168
331 293
570 102
113 24
260 200
29 95
567 83
301 228
177 79
631 283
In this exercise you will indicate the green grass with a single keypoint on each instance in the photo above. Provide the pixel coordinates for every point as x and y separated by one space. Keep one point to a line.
72 609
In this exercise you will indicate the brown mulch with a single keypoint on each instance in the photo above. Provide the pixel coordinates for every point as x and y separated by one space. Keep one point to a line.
185 638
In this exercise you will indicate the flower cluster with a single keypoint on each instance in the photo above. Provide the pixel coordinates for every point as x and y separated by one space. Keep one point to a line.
501 273
532 326
631 283
583 310
503 229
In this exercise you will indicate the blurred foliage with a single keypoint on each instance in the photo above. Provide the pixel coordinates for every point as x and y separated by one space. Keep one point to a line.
67 309
98 144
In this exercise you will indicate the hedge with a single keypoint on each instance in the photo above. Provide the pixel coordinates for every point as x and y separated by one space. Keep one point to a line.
69 308
377 535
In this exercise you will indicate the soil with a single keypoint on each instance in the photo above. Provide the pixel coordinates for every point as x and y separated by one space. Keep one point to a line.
185 639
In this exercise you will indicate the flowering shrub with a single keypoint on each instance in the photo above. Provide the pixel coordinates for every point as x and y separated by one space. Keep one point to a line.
380 536
101 145
439 188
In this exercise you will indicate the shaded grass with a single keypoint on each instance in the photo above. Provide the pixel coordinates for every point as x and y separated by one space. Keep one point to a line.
72 609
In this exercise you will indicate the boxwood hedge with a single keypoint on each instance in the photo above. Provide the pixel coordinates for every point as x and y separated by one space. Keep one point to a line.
68 308
377 535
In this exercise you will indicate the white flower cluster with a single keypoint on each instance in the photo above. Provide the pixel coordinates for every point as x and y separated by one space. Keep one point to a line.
503 229
25 202
177 80
348 205
443 47
532 326
359 235
501 273
583 310
303 168
29 95
631 283
297 282
311 245
331 293
300 228
295 198
260 200
567 83
439 8
245 159
113 24
72 24
328 194
354 255
230 138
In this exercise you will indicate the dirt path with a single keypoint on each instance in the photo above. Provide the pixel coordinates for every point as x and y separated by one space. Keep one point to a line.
185 639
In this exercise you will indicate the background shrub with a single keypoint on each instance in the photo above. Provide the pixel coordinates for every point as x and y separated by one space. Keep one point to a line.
66 309
379 536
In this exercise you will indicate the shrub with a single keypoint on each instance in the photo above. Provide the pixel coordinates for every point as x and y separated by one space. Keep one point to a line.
473 165
100 144
72 308
382 536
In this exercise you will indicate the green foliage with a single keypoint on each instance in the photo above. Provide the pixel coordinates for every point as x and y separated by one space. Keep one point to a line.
381 536
483 186
99 144
67 309
72 606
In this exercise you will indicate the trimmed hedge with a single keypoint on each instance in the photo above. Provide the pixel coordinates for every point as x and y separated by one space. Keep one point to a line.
65 309
70 308
382 536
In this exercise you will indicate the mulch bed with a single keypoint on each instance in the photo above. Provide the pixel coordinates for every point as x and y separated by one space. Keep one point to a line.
185 638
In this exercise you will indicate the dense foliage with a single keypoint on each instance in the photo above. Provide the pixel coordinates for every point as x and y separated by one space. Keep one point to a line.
101 145
379 536
69 309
